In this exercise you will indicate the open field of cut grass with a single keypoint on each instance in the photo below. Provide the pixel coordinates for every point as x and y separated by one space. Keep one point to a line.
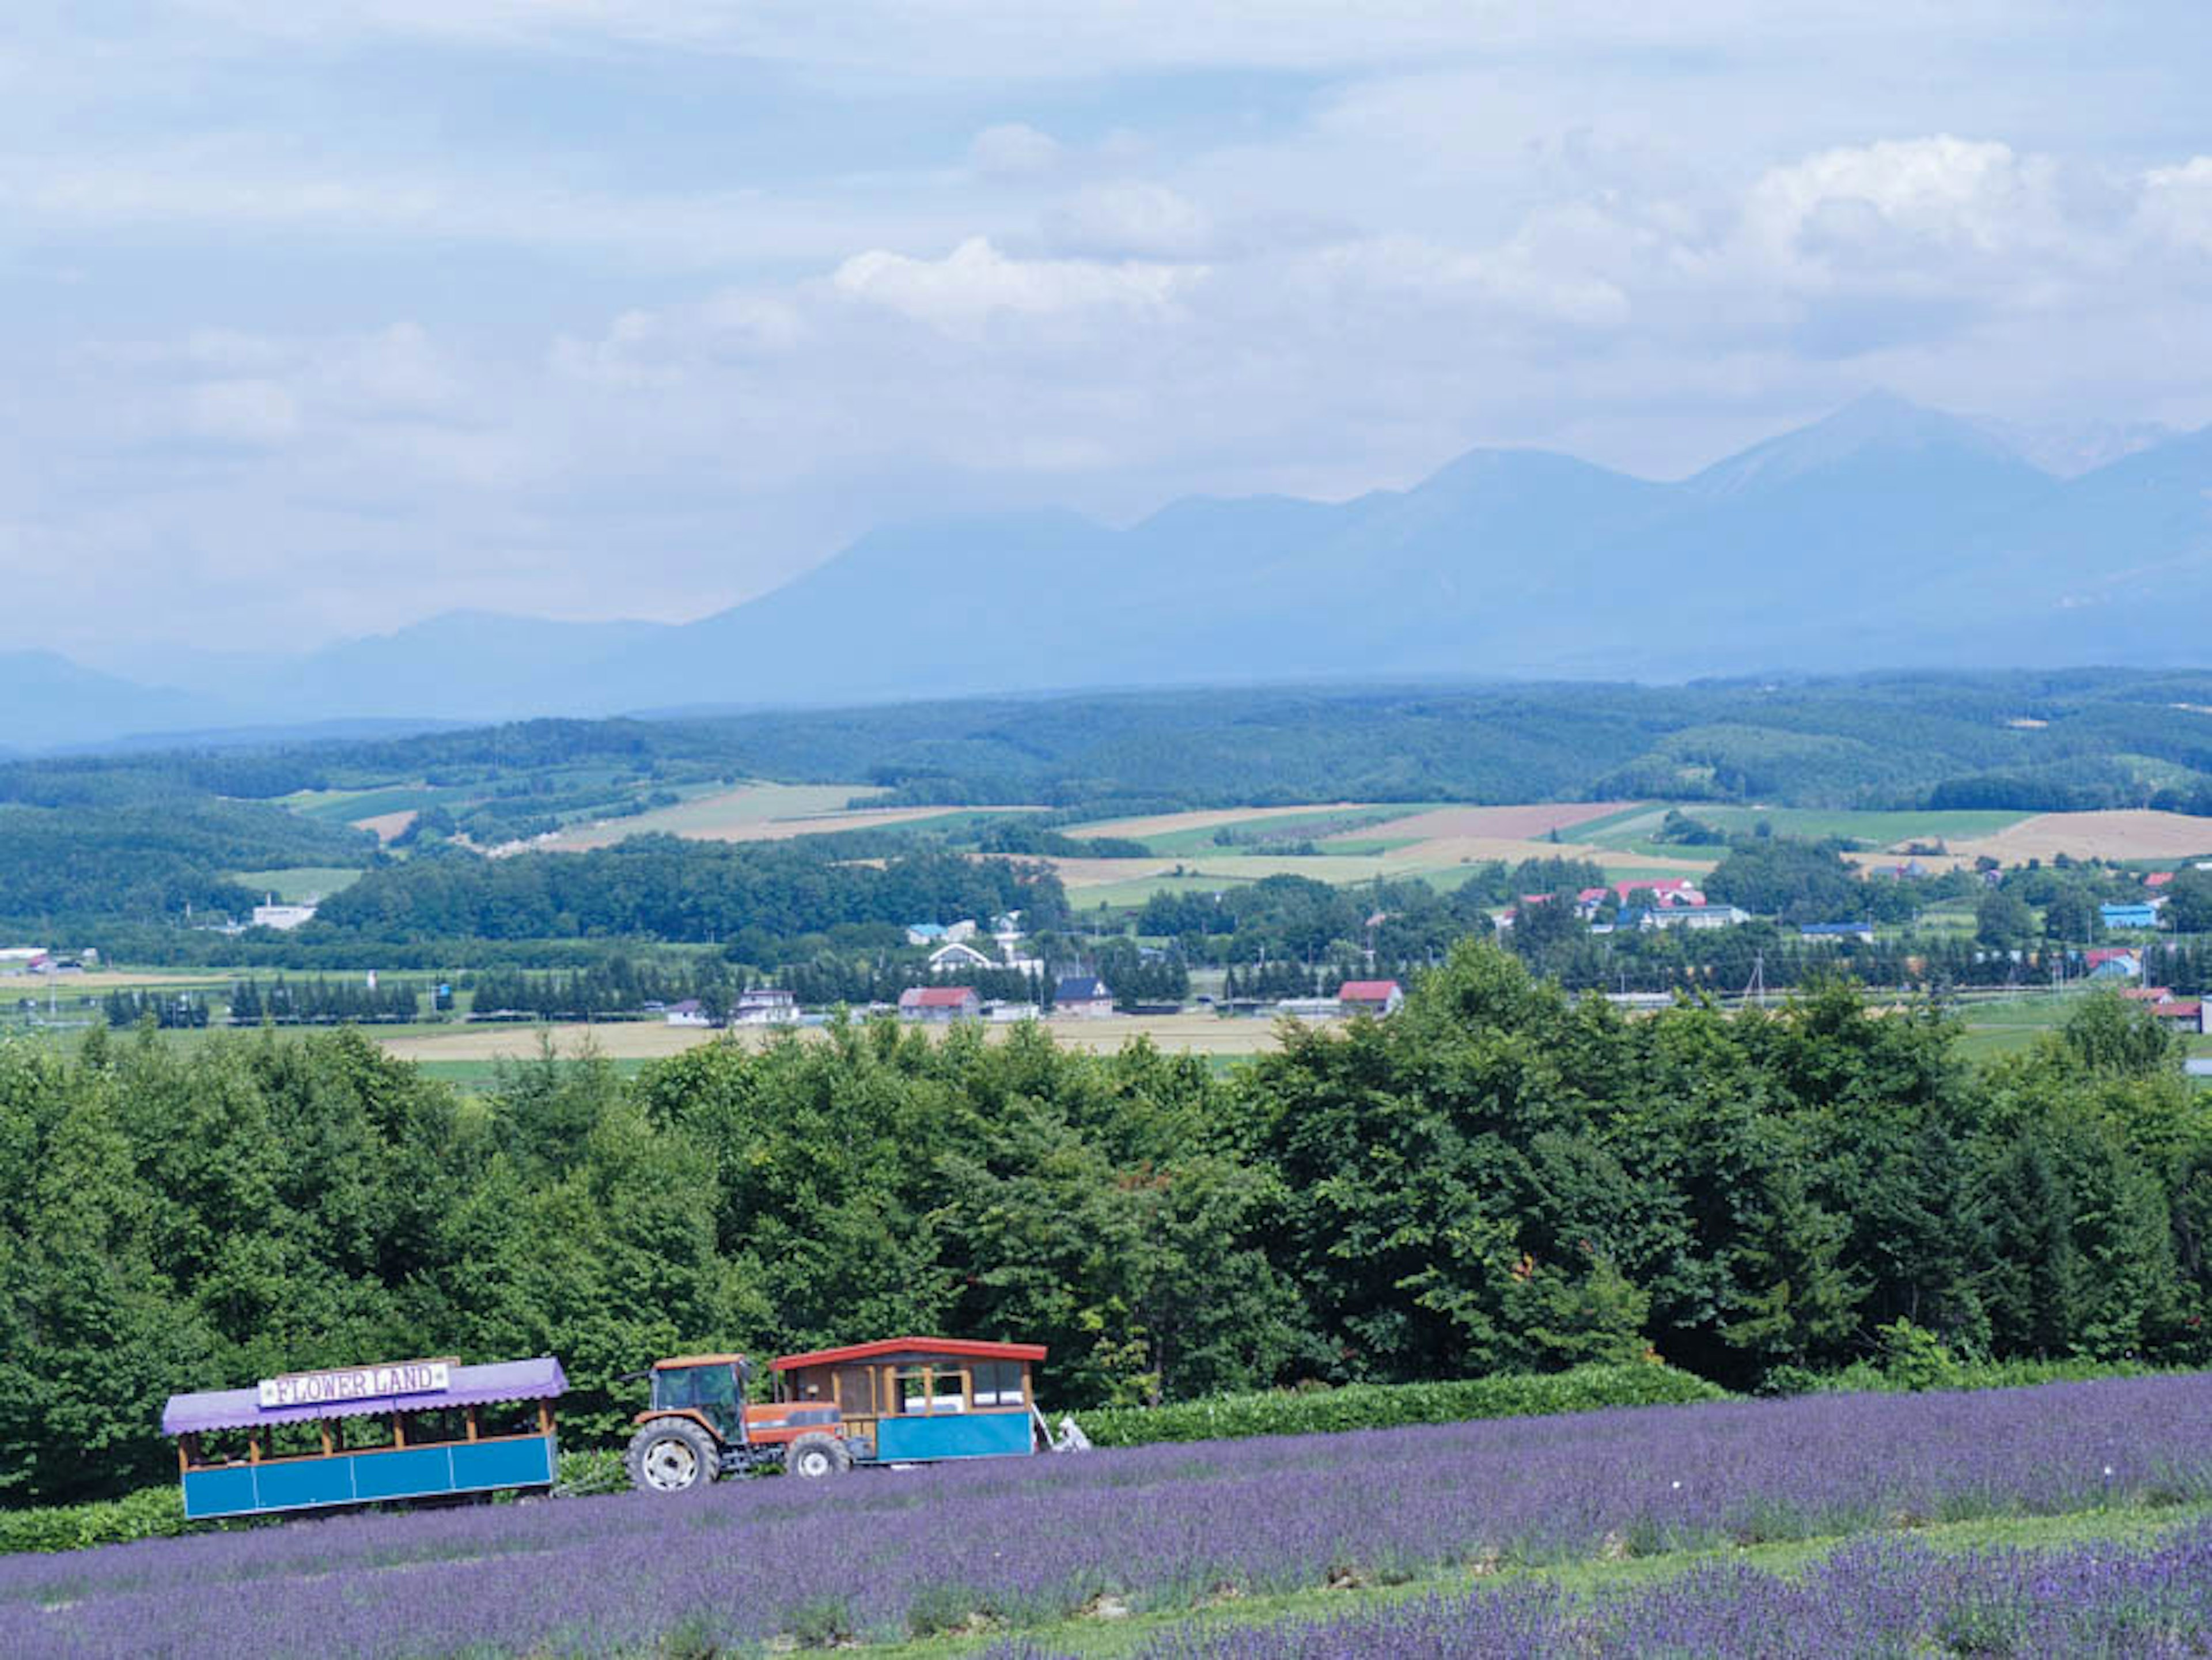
641 1041
300 884
1170 825
761 812
1294 824
1530 823
362 805
387 826
2126 833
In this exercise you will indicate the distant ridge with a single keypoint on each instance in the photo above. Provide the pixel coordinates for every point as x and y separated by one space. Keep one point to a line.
1884 534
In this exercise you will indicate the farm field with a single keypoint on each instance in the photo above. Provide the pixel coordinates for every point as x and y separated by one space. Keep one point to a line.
1633 831
2128 833
754 812
641 1041
2057 1519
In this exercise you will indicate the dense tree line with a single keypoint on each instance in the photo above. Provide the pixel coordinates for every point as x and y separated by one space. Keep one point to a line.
619 986
68 871
1495 1177
659 887
169 1010
322 1002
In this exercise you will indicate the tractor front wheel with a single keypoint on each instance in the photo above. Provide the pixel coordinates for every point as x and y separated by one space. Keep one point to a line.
672 1454
815 1455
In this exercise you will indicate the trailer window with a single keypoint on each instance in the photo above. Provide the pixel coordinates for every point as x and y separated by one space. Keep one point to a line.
925 1392
999 1384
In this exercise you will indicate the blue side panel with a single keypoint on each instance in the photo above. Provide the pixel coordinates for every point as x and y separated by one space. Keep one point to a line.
411 1475
954 1435
360 1478
503 1464
300 1483
219 1492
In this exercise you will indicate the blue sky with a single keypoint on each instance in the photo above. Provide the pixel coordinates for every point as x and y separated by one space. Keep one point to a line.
329 315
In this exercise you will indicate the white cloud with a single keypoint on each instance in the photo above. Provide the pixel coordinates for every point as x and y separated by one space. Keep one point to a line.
975 282
1131 216
2177 202
1945 190
256 412
1014 150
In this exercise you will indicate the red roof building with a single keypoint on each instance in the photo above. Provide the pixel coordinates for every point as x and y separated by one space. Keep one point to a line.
939 1003
1369 996
1669 891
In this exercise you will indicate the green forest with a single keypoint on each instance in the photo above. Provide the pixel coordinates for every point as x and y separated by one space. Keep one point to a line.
1497 1177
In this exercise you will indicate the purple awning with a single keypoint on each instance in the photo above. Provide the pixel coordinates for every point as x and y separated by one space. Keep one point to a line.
468 1386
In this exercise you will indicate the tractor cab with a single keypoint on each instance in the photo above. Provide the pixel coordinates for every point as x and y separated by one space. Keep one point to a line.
709 1387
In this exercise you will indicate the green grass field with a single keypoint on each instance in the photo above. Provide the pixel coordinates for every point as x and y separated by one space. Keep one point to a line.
1632 831
1291 827
301 883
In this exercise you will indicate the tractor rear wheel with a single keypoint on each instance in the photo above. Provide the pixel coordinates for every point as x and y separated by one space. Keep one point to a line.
672 1454
815 1455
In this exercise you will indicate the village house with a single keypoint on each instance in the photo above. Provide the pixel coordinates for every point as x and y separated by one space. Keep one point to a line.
689 1013
765 1005
2111 963
1374 997
1669 891
1862 932
1083 997
939 1004
957 956
1700 916
2134 915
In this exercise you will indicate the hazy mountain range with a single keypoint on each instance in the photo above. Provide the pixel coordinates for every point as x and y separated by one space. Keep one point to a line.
1886 535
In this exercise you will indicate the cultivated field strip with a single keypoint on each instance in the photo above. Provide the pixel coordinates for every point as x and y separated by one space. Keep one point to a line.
888 1555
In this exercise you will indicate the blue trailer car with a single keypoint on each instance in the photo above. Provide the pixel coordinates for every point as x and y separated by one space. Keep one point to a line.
918 1400
358 1435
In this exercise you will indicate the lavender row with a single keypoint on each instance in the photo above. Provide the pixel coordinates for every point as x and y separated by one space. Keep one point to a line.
885 1553
1879 1598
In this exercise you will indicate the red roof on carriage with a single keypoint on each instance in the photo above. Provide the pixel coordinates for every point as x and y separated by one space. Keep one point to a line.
966 1348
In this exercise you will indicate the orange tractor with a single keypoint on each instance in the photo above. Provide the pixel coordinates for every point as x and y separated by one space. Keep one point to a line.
899 1400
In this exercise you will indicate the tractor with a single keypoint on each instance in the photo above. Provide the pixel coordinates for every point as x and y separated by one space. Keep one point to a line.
891 1403
700 1426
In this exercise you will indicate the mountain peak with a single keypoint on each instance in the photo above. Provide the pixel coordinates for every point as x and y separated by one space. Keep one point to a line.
1879 424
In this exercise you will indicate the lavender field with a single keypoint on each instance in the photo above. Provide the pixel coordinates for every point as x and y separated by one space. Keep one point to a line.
1881 1597
884 1555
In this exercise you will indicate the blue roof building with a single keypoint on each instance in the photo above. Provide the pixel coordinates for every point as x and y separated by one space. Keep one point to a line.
2132 916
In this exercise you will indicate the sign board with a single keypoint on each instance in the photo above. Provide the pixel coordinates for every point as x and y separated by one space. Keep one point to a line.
322 1389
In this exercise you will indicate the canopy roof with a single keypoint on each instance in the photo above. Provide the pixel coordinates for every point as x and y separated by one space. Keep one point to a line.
921 1348
468 1386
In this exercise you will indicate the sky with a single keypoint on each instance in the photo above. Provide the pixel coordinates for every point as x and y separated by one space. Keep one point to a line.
323 316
